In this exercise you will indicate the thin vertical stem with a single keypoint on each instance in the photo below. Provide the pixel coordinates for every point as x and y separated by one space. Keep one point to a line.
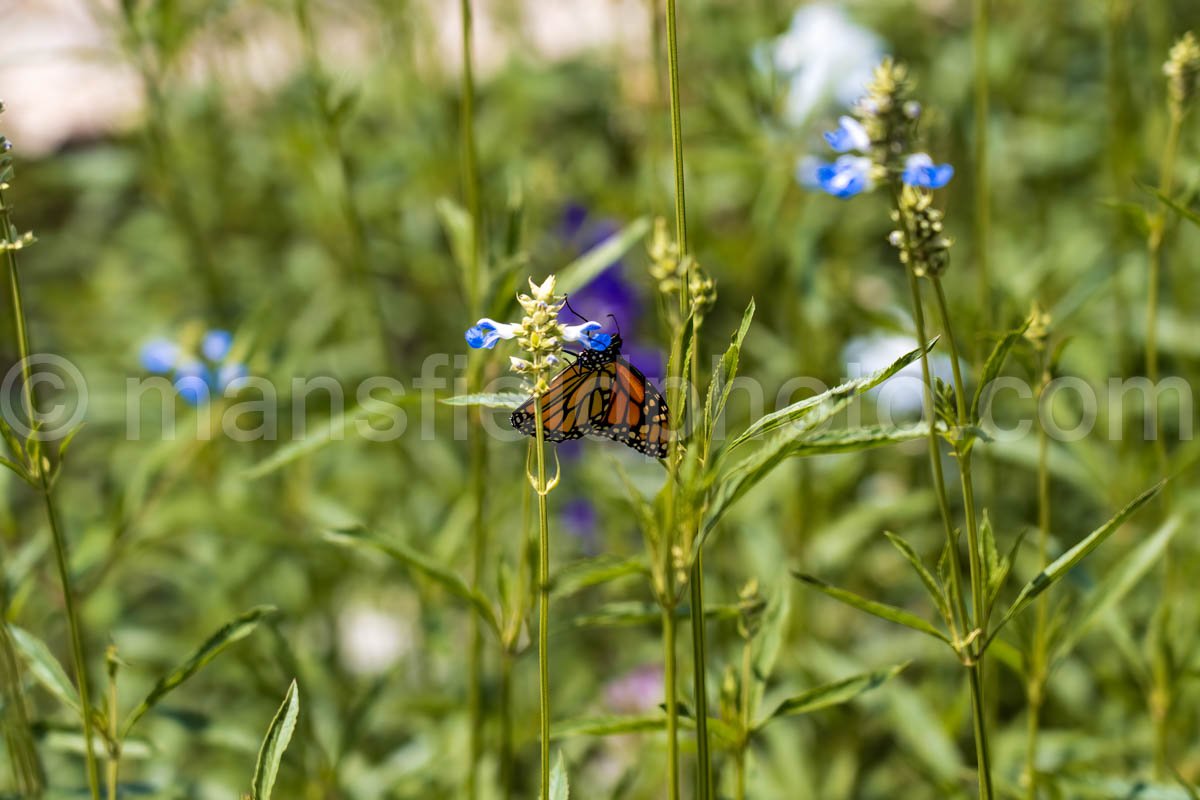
982 199
62 560
1035 690
114 735
700 684
669 680
506 726
676 128
478 445
543 600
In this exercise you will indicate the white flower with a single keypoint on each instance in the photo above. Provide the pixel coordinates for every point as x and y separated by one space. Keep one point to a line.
371 641
823 56
904 393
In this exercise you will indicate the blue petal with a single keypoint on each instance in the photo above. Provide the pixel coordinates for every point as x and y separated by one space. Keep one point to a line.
228 373
850 135
160 355
482 335
216 344
846 177
941 176
193 389
920 171
597 341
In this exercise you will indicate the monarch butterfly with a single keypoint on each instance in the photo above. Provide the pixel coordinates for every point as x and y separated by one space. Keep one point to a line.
604 395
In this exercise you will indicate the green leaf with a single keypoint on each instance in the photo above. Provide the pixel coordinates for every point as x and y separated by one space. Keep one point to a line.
881 610
1116 584
747 473
989 556
828 402
1067 561
592 572
608 726
583 269
233 631
993 365
1184 211
559 790
46 668
832 694
936 591
720 384
508 400
421 563
275 743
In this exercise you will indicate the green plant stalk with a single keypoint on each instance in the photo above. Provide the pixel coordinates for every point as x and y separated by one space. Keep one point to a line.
506 726
478 446
978 587
1161 693
1154 243
700 677
1036 686
963 621
78 654
114 739
543 600
669 680
982 199
744 709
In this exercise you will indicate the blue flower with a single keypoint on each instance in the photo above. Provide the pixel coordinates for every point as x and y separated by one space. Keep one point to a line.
486 332
850 135
192 383
228 373
159 355
216 345
920 171
586 334
846 177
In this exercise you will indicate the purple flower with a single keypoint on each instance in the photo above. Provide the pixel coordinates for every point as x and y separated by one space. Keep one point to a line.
579 520
638 690
846 177
920 171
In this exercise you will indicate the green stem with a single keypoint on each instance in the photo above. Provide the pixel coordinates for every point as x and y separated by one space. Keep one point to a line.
478 446
543 600
506 726
978 589
700 687
1036 687
982 201
744 708
78 654
669 680
1161 699
114 737
676 130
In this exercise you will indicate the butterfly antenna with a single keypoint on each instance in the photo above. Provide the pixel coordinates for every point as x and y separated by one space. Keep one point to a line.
616 324
573 311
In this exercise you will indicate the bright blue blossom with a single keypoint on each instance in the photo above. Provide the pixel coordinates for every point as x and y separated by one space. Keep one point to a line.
216 345
920 171
849 136
846 177
486 332
196 376
587 335
159 355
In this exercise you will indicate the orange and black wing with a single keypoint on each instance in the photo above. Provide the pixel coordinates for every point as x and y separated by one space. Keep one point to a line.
575 396
635 414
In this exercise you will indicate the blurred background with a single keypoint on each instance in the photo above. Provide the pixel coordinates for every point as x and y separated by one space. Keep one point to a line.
285 172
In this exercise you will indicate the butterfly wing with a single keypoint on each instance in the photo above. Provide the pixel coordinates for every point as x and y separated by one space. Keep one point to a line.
635 414
572 399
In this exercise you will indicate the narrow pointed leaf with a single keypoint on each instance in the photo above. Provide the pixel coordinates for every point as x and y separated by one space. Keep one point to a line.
583 269
1180 208
720 384
46 668
993 365
1067 561
506 400
233 631
835 693
279 734
935 590
559 788
593 571
881 610
838 396
422 564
